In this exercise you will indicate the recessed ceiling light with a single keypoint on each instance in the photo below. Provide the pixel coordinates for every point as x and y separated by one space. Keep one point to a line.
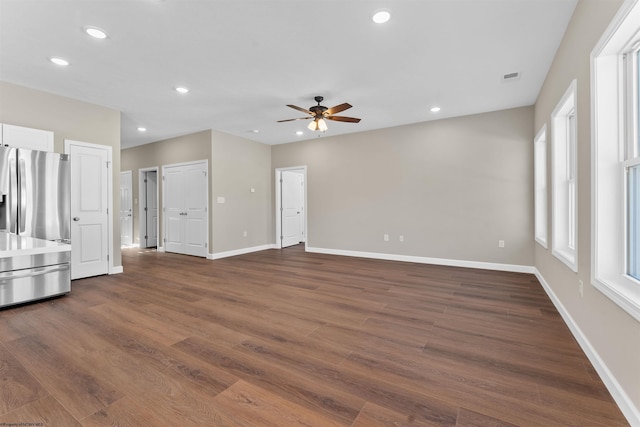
256 131
142 129
381 16
299 133
435 109
181 89
95 32
59 61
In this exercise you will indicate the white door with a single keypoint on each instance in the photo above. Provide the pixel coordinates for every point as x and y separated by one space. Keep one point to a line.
185 207
292 208
149 220
174 209
126 208
195 207
89 211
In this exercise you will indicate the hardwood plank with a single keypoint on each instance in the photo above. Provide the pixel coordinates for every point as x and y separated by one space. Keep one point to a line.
75 386
373 415
255 406
425 407
126 412
467 418
278 378
154 329
46 412
17 386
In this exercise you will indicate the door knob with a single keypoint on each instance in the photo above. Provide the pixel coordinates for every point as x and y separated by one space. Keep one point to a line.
75 218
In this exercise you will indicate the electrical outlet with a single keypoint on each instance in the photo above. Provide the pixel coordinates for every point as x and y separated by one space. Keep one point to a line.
244 234
501 243
386 237
401 238
581 288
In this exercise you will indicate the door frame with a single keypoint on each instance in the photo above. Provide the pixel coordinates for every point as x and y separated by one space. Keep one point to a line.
129 172
206 204
278 216
141 213
110 185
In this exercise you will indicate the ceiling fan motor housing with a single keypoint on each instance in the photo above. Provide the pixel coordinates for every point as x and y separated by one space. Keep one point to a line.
318 110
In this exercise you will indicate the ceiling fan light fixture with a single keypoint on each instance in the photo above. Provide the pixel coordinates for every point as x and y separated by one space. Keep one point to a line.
319 113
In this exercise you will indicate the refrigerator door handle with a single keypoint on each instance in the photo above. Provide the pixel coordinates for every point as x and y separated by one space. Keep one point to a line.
22 178
13 198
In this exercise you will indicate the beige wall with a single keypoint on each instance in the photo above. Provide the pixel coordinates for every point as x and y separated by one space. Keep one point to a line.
238 166
452 188
235 166
613 334
182 149
68 119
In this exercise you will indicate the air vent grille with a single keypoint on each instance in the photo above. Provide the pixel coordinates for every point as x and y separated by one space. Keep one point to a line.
511 76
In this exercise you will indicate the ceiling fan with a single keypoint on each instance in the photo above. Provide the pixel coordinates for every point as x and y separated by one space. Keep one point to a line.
319 112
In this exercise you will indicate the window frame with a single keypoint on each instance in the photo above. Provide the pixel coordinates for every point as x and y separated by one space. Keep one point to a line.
564 180
541 189
612 132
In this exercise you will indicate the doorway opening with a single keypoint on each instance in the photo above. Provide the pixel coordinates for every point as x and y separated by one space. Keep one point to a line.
148 207
291 206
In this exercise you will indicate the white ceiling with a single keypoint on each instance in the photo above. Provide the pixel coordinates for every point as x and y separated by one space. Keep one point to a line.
244 60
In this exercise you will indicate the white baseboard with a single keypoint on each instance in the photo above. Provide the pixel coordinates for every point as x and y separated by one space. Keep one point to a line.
116 269
425 260
626 405
219 255
160 249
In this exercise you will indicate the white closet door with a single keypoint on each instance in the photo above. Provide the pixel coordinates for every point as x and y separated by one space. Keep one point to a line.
195 207
185 206
174 209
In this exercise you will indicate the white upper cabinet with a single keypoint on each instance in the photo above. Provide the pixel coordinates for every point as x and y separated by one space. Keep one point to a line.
21 137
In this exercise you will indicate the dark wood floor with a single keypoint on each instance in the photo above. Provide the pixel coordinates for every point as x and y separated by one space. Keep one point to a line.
284 338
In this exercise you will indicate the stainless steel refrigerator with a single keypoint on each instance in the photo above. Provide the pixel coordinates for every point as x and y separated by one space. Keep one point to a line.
34 203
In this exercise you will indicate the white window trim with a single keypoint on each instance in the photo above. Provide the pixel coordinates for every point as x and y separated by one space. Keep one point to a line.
541 194
608 192
563 218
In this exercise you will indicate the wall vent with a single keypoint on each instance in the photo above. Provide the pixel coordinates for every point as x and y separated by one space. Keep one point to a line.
511 76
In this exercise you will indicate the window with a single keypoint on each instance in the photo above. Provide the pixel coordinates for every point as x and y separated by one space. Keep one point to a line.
564 179
540 185
615 63
632 161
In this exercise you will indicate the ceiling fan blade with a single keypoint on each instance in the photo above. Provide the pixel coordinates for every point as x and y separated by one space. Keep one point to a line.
338 108
299 118
295 107
343 119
